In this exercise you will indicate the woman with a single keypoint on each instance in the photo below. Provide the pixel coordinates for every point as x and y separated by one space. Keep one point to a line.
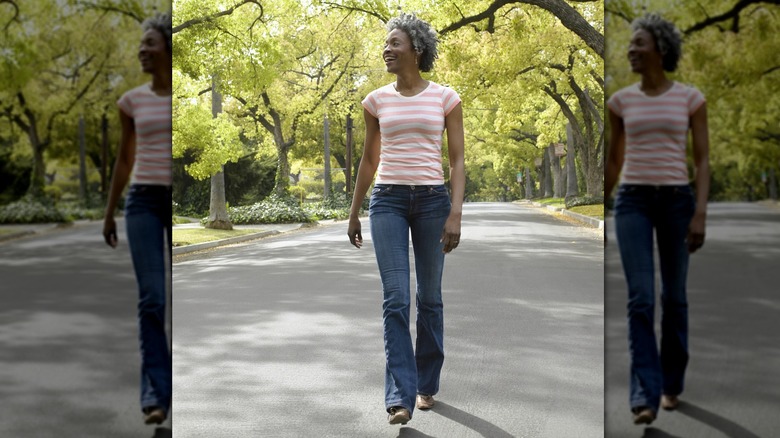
145 148
405 121
650 121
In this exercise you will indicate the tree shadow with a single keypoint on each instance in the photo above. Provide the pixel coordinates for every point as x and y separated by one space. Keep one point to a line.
162 432
652 432
728 427
473 422
408 432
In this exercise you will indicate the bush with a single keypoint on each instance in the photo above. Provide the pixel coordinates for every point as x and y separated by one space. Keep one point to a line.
277 210
272 210
30 211
583 200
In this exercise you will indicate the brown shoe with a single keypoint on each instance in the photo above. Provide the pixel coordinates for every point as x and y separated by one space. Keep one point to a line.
643 415
424 402
398 415
669 402
154 415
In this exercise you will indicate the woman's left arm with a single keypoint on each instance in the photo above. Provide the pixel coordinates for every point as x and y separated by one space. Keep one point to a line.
701 159
454 124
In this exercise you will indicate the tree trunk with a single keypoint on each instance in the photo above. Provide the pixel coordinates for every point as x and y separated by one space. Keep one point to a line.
282 168
218 215
82 162
557 173
572 191
547 180
104 157
327 176
529 184
772 184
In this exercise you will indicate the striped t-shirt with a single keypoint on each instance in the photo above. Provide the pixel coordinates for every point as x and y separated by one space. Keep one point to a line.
151 115
411 130
656 129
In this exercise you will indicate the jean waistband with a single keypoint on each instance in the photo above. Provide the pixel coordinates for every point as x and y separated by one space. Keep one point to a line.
654 188
409 186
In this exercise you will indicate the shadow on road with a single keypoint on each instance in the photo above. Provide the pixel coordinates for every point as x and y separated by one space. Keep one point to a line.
728 427
408 432
652 432
162 432
473 422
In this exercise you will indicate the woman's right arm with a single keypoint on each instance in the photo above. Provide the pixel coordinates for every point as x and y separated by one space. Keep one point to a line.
122 168
617 145
368 165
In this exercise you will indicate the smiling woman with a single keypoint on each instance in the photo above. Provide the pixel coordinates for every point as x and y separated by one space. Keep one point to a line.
405 121
145 159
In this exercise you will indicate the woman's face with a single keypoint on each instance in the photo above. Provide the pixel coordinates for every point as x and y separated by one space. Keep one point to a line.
398 52
152 52
643 53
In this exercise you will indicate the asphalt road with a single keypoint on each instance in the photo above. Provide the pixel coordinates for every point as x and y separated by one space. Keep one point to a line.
69 359
733 380
282 337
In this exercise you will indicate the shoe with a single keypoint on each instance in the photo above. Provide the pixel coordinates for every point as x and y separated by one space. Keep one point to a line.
643 415
154 415
669 402
424 402
399 415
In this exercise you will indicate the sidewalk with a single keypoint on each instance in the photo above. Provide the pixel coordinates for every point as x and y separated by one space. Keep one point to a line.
587 220
264 230
15 231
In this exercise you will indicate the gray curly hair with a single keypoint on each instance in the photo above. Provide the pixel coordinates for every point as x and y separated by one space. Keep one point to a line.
161 22
421 34
668 38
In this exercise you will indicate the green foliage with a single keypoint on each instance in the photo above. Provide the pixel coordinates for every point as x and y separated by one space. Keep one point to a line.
30 211
272 210
584 200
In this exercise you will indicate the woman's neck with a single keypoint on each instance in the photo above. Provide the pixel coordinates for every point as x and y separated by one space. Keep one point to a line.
161 82
654 82
410 82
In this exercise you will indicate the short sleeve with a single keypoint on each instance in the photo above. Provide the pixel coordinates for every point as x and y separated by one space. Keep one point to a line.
370 104
450 100
695 100
125 104
615 104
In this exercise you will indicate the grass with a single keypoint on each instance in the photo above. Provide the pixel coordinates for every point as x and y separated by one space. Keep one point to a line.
590 210
555 202
7 231
177 220
190 236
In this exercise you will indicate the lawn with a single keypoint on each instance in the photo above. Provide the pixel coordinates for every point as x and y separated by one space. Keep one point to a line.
590 210
190 236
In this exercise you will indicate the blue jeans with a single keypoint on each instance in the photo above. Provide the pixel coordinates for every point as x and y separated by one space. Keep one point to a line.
148 223
638 211
394 210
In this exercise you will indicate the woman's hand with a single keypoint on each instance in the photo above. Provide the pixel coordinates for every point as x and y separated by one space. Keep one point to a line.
109 231
450 237
353 231
696 232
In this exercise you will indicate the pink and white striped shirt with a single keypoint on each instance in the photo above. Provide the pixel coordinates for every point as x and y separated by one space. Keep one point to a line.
151 115
656 130
411 129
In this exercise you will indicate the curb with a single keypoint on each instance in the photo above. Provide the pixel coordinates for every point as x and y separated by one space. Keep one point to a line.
587 220
229 241
178 250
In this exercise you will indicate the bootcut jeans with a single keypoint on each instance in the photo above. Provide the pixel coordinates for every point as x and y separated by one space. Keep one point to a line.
668 210
148 223
394 210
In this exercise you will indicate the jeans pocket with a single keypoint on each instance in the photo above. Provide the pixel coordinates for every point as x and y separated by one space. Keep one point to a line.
381 189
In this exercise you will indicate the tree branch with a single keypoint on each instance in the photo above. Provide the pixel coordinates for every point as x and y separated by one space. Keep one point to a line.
112 8
568 16
374 14
732 13
16 12
199 20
